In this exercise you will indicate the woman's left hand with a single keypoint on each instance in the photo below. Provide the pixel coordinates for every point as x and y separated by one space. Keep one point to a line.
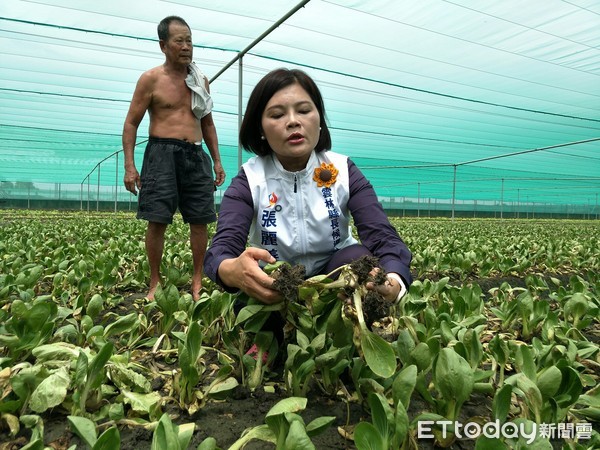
390 290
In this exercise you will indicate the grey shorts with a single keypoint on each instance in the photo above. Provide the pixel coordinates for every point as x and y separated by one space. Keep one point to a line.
176 174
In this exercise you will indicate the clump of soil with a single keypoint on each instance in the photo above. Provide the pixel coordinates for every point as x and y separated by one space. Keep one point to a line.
363 266
288 279
374 305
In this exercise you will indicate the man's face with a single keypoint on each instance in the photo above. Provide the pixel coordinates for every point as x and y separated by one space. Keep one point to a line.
178 48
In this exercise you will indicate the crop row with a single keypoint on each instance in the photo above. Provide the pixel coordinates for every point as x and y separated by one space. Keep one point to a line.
502 311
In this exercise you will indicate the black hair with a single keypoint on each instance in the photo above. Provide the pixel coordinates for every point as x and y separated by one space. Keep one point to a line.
163 26
250 130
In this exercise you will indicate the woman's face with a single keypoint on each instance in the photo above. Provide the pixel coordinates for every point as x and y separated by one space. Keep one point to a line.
290 124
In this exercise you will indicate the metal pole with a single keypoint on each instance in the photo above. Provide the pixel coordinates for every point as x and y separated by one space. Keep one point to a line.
260 38
588 210
502 200
98 191
453 191
418 199
116 182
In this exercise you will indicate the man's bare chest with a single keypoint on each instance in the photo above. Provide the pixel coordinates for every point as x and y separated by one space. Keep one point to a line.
171 95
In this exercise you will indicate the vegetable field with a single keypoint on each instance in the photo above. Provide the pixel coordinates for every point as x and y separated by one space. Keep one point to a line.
501 327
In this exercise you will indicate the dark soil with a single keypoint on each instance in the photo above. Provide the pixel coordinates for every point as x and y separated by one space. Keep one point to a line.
226 420
288 279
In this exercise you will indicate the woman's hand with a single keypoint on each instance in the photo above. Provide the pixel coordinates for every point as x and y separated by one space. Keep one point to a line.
391 290
245 274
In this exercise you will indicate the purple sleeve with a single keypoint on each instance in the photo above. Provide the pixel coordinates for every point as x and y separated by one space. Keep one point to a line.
235 217
374 229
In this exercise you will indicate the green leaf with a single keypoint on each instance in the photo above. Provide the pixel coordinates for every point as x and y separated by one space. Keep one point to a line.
447 333
453 376
109 440
141 402
36 444
51 392
533 396
96 370
405 345
421 356
11 422
401 426
165 437
81 368
379 354
124 377
36 321
589 413
501 403
570 388
366 437
222 389
548 381
122 325
210 443
250 311
184 434
94 306
173 275
404 385
576 306
302 340
319 425
57 351
261 432
486 443
499 349
84 428
381 414
524 359
290 404
297 439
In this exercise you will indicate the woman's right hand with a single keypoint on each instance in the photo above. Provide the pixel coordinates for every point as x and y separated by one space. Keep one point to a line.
245 274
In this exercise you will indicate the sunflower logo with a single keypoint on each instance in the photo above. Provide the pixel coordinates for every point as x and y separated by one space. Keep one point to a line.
325 175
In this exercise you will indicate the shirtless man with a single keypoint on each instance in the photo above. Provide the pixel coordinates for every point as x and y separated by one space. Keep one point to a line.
176 172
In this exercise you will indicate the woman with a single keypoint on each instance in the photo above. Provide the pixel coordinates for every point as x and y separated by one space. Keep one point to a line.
294 201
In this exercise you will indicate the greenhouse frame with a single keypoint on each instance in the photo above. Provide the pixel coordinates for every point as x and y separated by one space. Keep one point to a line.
448 107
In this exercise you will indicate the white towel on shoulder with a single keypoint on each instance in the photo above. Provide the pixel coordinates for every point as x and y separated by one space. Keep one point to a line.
202 103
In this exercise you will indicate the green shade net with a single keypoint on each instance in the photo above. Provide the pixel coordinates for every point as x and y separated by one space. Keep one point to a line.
478 105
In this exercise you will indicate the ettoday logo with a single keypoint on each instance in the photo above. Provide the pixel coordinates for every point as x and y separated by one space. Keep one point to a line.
509 430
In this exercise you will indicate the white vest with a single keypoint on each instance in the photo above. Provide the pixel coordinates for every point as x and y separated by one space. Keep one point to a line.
294 219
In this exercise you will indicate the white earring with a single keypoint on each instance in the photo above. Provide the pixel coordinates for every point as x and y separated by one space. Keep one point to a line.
262 137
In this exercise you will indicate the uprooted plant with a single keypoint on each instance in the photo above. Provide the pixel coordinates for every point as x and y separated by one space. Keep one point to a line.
358 306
